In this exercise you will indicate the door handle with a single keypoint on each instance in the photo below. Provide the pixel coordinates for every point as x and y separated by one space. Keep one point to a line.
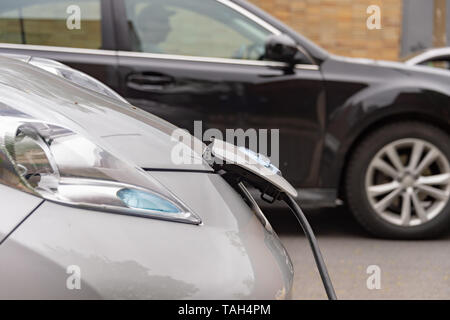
149 81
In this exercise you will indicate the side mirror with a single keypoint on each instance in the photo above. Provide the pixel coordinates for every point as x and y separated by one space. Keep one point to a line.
282 48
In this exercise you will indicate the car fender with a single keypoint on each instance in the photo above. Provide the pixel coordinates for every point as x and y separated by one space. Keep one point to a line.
372 107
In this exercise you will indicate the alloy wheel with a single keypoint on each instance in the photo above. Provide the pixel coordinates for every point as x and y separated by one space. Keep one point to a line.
407 183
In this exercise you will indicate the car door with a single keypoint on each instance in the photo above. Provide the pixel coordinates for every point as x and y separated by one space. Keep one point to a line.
203 60
78 33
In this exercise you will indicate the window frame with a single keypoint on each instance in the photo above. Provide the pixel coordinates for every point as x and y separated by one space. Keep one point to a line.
124 43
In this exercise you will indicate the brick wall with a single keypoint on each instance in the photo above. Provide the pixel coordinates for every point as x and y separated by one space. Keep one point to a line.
42 32
339 26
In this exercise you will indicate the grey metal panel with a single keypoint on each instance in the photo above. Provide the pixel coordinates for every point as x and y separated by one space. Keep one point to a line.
417 26
231 255
14 207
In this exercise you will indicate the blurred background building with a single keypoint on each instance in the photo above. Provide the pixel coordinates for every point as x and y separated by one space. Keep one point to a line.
407 26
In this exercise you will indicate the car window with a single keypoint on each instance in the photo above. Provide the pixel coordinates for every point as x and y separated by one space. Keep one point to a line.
203 28
442 63
73 23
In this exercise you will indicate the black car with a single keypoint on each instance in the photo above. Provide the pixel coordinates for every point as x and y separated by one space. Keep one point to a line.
373 134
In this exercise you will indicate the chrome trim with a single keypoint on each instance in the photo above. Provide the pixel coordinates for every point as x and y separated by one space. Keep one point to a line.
57 49
155 56
198 58
132 54
250 15
312 67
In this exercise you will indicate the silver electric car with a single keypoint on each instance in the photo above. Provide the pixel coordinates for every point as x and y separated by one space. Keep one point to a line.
94 203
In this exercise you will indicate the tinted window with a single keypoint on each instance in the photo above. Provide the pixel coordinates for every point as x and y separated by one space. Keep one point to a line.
45 22
194 28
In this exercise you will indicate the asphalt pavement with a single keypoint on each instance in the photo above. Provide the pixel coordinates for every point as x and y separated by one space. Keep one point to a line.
405 269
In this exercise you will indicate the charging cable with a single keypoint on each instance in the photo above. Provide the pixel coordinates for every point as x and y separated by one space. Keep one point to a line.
314 245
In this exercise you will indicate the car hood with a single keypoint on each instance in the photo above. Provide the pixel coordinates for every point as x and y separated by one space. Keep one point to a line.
399 68
381 75
142 138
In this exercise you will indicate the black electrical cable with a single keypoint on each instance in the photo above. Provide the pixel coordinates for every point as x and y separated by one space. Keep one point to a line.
314 246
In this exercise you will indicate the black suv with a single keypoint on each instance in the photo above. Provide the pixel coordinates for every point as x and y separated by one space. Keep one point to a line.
373 134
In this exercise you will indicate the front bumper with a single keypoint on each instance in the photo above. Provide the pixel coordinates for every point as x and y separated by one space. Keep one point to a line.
230 256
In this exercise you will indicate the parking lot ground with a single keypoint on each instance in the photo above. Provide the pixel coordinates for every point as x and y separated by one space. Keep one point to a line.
409 269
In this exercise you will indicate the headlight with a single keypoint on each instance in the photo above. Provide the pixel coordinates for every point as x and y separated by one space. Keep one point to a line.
62 166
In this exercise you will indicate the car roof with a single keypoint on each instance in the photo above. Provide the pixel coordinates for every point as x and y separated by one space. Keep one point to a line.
428 55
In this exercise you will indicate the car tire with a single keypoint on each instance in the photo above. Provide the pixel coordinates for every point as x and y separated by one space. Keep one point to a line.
380 198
